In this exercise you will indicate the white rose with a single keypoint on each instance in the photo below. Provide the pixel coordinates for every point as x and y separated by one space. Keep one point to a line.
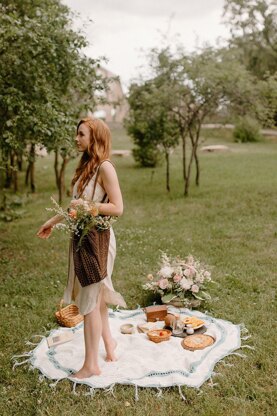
185 283
166 271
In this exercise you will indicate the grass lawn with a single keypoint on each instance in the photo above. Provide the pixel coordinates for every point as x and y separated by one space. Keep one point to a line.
229 222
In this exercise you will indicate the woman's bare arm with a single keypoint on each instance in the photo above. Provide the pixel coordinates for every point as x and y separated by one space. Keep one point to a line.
46 229
109 181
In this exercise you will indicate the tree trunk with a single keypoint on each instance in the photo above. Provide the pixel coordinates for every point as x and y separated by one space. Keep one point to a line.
32 168
187 182
185 175
167 170
195 147
27 175
61 181
8 171
19 161
14 171
56 167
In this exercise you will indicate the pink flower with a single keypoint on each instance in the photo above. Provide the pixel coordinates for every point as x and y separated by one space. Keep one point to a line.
195 288
163 283
189 272
177 278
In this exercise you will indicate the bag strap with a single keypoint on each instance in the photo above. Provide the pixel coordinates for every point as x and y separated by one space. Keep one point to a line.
96 179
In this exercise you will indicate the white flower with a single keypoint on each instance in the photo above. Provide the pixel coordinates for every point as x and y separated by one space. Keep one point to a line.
186 283
207 276
195 288
166 271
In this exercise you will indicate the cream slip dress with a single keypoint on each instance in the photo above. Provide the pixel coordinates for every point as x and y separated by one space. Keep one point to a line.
86 297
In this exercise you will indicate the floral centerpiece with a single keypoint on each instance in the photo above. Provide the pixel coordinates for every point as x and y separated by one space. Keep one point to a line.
80 217
180 282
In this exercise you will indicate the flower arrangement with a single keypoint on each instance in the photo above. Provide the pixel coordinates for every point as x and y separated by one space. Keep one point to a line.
182 280
80 217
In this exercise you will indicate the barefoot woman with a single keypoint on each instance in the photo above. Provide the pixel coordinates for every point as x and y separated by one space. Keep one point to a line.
94 141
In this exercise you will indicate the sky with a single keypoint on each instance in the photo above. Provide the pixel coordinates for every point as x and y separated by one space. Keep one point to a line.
124 30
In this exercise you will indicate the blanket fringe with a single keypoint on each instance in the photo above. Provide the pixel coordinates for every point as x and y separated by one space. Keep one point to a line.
74 389
109 390
90 393
250 347
238 354
136 393
246 337
159 393
243 329
211 383
227 364
17 363
181 394
53 385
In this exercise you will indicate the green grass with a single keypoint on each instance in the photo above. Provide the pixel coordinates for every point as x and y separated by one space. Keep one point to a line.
229 222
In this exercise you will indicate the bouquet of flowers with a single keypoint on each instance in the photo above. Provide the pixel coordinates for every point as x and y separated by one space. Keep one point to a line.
180 279
80 217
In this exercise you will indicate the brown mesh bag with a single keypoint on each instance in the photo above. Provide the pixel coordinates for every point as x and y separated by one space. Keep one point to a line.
91 257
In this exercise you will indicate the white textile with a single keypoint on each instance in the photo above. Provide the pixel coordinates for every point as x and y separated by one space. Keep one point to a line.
140 362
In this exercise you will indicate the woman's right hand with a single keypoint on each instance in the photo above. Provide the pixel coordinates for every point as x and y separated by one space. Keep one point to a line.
45 230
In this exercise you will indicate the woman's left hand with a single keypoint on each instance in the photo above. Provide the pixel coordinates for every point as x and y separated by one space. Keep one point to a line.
75 202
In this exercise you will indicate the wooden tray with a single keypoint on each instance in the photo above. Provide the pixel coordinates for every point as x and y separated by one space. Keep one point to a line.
197 342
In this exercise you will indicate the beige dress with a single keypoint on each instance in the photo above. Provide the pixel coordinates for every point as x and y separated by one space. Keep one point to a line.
86 297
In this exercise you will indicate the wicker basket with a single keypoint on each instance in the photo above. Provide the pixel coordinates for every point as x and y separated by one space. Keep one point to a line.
69 315
154 335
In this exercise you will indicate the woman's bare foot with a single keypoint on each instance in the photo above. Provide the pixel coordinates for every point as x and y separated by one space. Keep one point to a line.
110 348
85 372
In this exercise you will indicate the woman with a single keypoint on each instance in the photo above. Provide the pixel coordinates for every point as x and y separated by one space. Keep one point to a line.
94 141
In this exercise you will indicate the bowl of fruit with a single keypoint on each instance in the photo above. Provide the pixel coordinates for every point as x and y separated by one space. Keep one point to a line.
159 335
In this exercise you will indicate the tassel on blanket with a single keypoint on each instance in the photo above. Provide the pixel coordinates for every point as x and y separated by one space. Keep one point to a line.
136 393
249 347
90 393
211 383
74 389
53 385
181 394
160 392
109 390
17 363
246 337
243 329
238 354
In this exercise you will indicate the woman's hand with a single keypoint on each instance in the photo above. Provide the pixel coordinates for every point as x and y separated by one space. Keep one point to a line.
75 202
45 230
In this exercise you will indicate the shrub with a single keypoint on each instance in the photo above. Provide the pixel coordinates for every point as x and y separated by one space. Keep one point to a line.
147 156
247 130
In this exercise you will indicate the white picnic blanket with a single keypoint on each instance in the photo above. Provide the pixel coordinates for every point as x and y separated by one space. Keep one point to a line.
140 362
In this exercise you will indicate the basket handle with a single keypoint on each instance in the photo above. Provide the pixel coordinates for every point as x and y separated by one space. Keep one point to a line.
60 306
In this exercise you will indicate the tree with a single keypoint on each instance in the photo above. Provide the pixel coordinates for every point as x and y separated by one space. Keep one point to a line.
151 125
253 25
45 82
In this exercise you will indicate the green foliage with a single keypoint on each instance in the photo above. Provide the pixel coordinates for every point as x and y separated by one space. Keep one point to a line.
148 156
247 130
253 26
46 81
149 123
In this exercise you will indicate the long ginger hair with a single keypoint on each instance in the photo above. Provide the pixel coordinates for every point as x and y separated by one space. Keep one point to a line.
98 149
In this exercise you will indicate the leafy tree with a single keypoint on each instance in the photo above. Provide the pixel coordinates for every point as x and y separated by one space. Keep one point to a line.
45 83
253 25
151 125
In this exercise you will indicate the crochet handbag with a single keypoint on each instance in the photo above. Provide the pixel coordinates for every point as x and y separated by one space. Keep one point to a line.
90 260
